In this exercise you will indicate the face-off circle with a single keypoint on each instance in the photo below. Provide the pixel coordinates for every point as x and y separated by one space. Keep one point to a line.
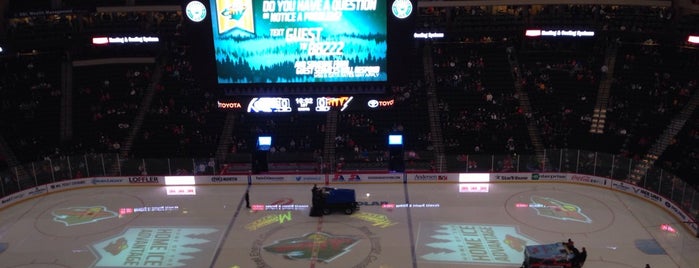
78 217
560 211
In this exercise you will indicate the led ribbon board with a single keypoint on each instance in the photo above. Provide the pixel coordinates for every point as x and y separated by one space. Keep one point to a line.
299 41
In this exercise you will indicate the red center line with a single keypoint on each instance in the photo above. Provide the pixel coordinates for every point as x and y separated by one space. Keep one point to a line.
316 243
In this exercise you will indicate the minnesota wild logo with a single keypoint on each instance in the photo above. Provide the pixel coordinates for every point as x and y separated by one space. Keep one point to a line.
117 246
515 243
82 215
319 246
235 14
552 208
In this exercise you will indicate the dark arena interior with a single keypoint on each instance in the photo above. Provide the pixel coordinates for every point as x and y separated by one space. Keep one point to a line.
484 133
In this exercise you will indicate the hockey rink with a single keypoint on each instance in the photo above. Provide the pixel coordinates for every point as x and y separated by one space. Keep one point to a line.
398 226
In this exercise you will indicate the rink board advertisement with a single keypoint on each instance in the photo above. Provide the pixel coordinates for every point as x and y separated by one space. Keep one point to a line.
349 178
288 179
22 195
66 185
662 202
510 176
588 179
299 41
109 181
434 177
222 179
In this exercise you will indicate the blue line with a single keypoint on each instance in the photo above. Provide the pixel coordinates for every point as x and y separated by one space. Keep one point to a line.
228 230
410 226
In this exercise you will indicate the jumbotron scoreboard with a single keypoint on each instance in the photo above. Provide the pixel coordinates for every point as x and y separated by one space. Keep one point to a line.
299 41
268 43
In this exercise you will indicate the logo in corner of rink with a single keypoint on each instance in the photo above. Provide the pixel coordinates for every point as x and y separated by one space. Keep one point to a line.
82 215
319 246
553 208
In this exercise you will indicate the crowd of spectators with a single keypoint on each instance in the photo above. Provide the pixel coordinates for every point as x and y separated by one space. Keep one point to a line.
470 21
653 83
682 155
30 97
306 135
108 103
561 79
73 30
673 87
479 113
481 24
297 142
183 119
361 139
479 109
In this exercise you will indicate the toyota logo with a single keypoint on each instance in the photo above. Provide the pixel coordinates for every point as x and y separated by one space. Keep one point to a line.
373 103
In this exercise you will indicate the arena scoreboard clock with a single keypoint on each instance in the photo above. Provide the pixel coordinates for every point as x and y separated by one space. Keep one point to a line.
249 47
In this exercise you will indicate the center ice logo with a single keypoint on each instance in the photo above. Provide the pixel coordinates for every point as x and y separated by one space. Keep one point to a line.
319 246
82 215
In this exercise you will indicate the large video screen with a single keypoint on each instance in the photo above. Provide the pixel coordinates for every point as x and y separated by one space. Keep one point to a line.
299 41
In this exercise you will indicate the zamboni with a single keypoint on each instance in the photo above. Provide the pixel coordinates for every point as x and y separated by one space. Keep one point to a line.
328 199
555 255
